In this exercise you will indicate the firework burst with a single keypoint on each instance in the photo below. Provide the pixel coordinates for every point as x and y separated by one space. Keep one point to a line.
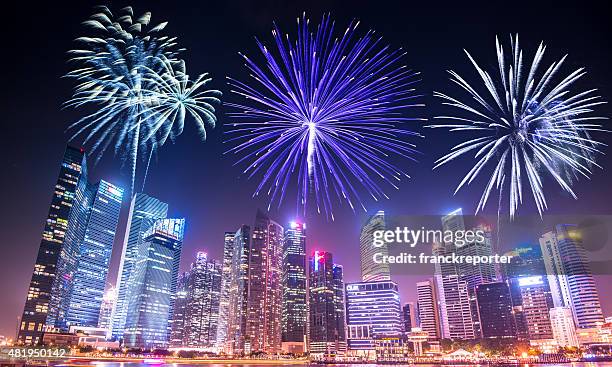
525 125
324 114
129 74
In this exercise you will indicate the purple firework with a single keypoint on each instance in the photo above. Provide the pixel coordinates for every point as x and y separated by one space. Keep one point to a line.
325 113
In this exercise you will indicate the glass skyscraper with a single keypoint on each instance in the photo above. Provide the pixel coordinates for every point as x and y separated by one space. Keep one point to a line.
224 303
94 255
144 210
495 310
370 270
327 334
427 308
57 255
373 311
239 293
154 283
196 309
294 315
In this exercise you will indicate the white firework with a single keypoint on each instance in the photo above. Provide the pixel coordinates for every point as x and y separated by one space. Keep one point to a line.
523 126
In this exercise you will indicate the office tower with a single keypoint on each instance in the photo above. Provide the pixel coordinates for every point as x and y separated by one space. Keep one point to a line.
564 331
177 327
326 305
196 308
154 283
239 293
525 261
495 310
226 277
427 304
264 305
144 210
409 316
294 314
94 255
373 312
106 310
371 271
571 281
55 266
535 307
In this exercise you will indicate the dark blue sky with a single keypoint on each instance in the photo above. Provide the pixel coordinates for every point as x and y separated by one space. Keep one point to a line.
199 182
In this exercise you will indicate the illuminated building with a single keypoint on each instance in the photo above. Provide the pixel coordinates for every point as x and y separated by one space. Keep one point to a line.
294 314
427 305
535 307
370 270
154 285
525 261
224 303
106 310
71 267
144 210
495 310
563 328
95 250
409 316
264 305
326 306
373 311
236 342
196 308
571 281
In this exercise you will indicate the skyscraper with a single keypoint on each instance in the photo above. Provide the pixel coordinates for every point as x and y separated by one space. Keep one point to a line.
154 284
294 314
373 311
264 305
526 261
535 307
326 305
571 281
370 270
195 316
409 316
94 255
239 293
56 264
563 328
144 210
495 310
106 310
427 305
226 278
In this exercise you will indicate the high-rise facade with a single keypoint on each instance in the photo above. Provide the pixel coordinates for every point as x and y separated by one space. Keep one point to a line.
236 343
409 316
94 255
564 331
373 312
154 285
106 310
264 305
570 277
495 310
144 210
63 286
370 270
536 307
427 305
294 313
326 305
196 308
226 278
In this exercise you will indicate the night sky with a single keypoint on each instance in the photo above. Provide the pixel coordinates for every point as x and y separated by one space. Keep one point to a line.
200 183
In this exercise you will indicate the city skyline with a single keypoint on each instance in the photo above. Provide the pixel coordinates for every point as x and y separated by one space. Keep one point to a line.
204 188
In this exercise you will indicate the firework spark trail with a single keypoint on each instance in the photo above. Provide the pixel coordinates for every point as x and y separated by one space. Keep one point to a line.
524 125
125 72
325 113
